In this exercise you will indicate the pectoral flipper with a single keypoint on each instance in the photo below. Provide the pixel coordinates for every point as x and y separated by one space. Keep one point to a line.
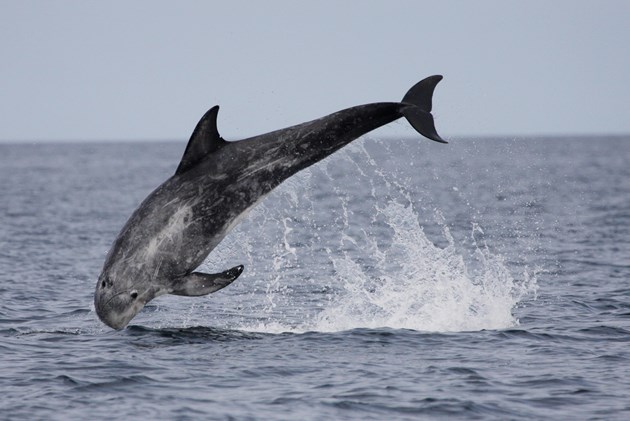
198 283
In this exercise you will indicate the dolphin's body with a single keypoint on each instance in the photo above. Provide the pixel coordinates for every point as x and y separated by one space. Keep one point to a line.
184 219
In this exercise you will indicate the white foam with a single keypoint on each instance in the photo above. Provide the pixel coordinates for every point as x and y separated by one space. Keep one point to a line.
432 290
419 286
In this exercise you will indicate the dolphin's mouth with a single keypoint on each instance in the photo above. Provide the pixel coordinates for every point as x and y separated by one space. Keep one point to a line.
113 296
120 308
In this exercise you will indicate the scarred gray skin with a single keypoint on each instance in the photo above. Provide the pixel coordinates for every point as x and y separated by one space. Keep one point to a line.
184 219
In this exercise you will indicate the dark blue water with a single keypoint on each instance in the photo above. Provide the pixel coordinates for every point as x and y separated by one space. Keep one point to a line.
398 279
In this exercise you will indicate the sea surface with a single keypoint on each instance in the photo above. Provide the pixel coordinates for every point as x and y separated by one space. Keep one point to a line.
399 279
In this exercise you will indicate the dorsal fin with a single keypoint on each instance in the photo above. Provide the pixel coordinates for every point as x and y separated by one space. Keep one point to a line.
204 140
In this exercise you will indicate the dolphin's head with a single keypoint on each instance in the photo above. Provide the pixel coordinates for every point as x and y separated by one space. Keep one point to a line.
119 297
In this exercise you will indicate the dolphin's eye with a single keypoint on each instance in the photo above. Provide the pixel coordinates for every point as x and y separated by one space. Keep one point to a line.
134 294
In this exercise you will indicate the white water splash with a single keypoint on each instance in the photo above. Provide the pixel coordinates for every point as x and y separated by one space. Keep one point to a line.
414 285
434 289
316 267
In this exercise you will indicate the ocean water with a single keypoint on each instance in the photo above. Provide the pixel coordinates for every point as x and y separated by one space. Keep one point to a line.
398 279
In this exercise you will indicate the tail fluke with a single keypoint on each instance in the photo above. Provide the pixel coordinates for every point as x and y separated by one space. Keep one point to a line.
416 107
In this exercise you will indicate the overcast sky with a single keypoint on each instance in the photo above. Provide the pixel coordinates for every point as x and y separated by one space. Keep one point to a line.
96 70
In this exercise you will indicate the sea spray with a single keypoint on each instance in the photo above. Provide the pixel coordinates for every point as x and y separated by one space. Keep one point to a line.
433 290
340 246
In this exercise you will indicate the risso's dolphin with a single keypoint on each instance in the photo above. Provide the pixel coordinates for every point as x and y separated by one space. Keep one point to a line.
216 182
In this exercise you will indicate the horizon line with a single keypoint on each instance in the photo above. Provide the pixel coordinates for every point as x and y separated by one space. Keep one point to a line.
566 136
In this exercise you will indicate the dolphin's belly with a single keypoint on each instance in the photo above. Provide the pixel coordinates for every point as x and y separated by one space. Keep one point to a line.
172 233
